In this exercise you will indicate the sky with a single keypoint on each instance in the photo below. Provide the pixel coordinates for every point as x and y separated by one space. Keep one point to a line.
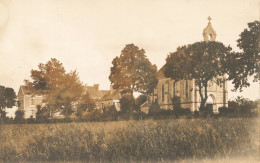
86 35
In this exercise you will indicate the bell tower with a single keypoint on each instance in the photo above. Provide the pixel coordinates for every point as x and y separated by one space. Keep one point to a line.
209 33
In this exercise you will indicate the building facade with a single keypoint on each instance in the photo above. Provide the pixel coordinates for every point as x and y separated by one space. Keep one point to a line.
104 98
28 102
111 98
186 90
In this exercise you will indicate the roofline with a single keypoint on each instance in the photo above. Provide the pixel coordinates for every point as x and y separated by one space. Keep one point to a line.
21 88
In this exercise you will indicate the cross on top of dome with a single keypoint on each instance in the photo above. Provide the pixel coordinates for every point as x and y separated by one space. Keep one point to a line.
209 33
209 18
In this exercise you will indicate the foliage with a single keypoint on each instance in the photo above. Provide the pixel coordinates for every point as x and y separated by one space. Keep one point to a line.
133 72
141 99
61 90
182 112
127 106
30 120
203 61
86 104
7 98
42 114
178 140
240 107
246 63
243 105
3 117
19 116
154 110
176 103
207 111
110 113
92 116
177 110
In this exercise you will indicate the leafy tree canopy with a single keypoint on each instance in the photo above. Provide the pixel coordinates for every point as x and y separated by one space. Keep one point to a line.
61 90
246 63
7 97
85 104
133 72
202 61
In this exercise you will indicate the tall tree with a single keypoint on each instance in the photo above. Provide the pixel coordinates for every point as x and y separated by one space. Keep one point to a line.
133 72
7 98
202 61
246 63
61 90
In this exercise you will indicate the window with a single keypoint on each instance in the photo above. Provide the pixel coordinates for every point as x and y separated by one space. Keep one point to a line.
162 92
32 101
32 112
186 89
174 87
210 37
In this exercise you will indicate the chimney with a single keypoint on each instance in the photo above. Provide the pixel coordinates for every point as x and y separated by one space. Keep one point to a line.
96 86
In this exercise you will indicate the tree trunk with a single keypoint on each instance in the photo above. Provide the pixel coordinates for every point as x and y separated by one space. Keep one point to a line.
202 102
205 97
132 102
206 91
153 96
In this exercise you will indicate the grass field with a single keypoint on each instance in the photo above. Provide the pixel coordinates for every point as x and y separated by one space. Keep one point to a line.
132 141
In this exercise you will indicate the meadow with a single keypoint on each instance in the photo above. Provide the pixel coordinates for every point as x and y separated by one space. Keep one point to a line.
131 141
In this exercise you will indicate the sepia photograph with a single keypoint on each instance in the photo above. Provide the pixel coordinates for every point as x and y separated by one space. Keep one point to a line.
130 81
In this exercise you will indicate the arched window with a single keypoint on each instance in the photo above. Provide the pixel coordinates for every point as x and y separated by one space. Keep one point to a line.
210 37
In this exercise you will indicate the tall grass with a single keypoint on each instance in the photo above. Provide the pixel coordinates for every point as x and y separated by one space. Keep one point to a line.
149 140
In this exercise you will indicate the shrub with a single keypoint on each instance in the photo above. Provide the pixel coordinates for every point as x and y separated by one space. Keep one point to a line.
243 106
30 120
177 110
3 117
110 113
165 113
19 116
154 110
140 100
224 111
196 114
182 112
127 106
206 111
176 102
92 116
42 114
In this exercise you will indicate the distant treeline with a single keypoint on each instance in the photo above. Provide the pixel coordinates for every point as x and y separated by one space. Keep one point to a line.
239 107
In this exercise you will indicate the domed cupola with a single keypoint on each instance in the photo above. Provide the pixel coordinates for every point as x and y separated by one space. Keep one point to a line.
209 33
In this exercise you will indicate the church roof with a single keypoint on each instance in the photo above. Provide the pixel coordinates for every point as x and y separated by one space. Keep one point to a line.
160 73
115 95
24 90
95 93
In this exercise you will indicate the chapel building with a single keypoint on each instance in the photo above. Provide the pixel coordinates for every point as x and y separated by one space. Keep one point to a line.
186 90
